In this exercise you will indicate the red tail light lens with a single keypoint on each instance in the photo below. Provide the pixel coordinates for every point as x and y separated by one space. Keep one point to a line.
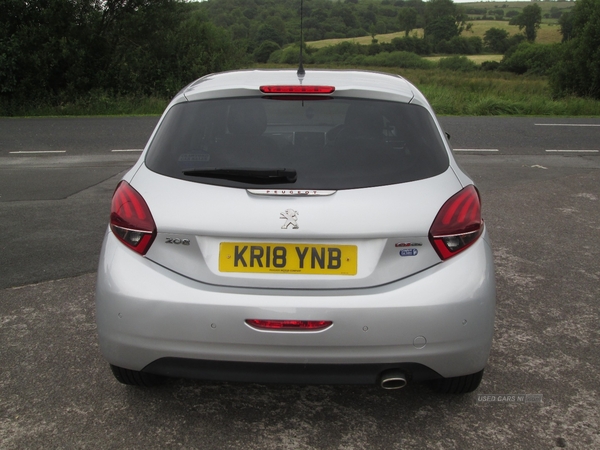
458 224
130 219
297 89
289 325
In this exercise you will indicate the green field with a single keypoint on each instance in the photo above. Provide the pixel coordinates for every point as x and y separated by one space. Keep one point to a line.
477 59
491 7
518 6
364 40
547 34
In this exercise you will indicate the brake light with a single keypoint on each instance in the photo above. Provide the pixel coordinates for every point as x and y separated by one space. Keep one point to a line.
289 325
458 224
130 219
297 89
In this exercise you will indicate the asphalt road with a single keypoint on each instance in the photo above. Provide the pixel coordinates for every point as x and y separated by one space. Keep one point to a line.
101 136
56 391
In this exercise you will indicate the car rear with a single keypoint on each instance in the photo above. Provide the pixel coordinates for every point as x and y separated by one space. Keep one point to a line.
297 230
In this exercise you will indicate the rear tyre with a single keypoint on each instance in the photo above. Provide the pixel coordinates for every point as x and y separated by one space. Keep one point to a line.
135 378
457 385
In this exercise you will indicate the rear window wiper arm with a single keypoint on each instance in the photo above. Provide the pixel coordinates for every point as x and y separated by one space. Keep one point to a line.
258 176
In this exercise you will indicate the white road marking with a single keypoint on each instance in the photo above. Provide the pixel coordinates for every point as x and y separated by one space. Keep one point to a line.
37 151
476 150
129 150
573 151
568 124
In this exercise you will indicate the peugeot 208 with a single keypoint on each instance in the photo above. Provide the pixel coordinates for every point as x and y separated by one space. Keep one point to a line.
297 229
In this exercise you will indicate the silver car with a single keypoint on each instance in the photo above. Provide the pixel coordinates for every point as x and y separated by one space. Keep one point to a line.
297 229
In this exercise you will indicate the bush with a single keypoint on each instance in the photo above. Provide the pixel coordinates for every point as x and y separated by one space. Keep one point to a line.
579 70
404 60
290 55
457 64
496 39
337 53
356 32
374 49
489 65
536 59
275 57
460 45
412 44
475 45
264 50
333 35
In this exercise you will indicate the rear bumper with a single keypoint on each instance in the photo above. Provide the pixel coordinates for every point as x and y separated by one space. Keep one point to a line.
252 372
440 319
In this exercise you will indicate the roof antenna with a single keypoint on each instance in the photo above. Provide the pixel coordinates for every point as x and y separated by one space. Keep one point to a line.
301 71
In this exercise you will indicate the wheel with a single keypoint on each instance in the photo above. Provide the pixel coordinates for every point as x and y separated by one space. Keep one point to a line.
135 378
457 385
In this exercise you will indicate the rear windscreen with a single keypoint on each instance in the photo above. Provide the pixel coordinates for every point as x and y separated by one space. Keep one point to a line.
330 143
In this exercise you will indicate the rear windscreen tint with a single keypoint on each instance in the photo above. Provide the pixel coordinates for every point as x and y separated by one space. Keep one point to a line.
332 143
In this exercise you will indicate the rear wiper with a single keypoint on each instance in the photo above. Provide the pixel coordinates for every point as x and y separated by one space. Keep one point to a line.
257 176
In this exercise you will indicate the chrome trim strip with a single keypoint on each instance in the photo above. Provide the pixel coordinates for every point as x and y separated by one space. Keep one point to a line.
290 192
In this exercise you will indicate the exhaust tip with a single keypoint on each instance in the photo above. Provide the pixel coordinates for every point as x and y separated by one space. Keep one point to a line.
393 380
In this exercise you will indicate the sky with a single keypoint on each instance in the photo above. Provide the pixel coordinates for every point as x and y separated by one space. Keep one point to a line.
488 1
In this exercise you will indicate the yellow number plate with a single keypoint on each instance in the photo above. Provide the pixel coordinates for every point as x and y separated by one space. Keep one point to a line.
257 257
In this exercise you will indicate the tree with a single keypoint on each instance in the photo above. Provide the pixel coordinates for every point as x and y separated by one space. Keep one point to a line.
499 14
373 33
496 39
578 71
59 50
46 47
346 14
566 26
268 33
530 19
408 19
441 28
555 13
443 20
277 24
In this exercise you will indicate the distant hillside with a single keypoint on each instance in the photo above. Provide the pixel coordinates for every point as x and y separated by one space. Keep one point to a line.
551 10
547 34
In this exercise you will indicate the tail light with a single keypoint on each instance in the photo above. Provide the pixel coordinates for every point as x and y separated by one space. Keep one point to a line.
130 219
289 325
458 224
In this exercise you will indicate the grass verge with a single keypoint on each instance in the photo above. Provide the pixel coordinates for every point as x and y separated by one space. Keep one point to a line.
481 93
95 104
495 93
473 93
